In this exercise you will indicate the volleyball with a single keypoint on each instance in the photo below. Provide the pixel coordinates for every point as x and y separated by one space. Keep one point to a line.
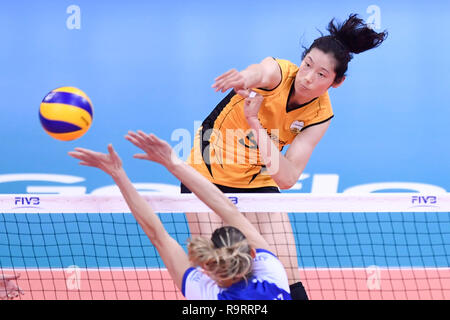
66 113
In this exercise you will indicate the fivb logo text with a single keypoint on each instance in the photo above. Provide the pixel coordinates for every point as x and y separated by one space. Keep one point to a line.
31 202
424 200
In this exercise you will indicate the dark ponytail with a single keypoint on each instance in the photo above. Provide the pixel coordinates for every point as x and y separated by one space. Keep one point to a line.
352 36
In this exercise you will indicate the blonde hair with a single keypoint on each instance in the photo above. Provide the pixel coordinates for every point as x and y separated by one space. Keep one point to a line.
231 260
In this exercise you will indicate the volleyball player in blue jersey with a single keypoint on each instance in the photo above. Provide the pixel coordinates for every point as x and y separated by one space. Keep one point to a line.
236 263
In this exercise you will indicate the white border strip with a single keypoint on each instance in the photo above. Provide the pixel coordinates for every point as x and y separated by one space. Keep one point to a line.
285 202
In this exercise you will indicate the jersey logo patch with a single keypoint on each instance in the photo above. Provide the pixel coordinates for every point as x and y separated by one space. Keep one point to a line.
297 126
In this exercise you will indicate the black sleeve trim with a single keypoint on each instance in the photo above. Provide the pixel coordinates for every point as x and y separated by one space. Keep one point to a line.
315 124
281 71
207 125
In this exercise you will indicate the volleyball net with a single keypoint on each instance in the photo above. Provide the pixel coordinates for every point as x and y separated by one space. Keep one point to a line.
377 246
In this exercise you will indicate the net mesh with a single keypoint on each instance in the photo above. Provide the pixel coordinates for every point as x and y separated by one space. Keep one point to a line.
393 247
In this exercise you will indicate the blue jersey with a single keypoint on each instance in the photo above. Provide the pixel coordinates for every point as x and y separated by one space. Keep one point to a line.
268 282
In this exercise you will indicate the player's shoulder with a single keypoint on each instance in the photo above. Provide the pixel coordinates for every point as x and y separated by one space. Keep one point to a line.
325 96
264 254
325 102
288 71
198 286
267 267
265 257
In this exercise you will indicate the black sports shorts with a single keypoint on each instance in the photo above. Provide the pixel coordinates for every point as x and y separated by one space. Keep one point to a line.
226 189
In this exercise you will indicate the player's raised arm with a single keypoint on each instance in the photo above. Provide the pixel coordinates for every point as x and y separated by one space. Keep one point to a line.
265 74
172 254
160 151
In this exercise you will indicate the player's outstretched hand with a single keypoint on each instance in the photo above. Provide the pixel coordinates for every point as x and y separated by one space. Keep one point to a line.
155 149
230 79
8 288
109 163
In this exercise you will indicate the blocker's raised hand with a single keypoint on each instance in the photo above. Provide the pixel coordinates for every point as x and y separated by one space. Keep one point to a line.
109 163
155 149
230 79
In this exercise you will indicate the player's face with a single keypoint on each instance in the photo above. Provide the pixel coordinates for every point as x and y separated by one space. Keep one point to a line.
315 75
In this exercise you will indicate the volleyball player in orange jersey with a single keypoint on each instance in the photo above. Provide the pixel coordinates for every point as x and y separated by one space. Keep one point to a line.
239 145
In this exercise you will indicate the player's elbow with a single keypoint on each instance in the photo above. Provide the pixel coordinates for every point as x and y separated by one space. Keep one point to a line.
287 182
156 234
285 186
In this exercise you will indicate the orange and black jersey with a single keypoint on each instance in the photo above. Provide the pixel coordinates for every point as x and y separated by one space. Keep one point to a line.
225 150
